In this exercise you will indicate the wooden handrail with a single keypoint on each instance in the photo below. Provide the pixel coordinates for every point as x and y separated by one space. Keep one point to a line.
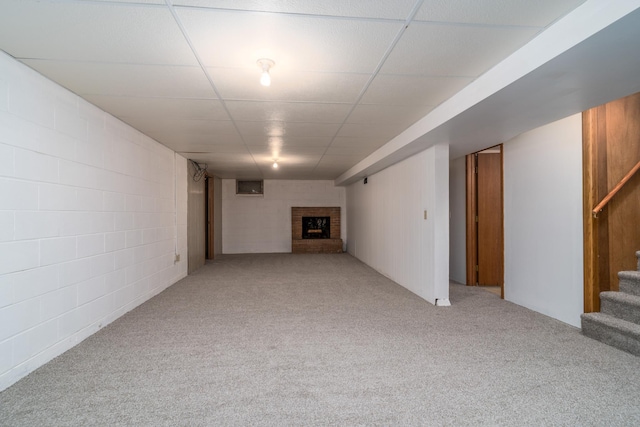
615 189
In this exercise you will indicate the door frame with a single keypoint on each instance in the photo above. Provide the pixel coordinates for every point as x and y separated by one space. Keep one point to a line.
209 191
471 202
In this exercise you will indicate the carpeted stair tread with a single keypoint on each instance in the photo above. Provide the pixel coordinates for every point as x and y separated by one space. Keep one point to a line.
621 305
612 331
629 282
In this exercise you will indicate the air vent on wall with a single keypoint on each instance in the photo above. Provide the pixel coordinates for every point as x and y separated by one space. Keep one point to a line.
249 187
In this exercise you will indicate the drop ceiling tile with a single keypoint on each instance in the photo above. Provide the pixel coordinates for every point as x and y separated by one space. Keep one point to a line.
303 151
85 78
226 160
125 33
286 150
289 141
181 125
221 160
369 130
265 160
454 50
539 13
394 114
398 9
342 160
337 162
162 2
180 141
349 150
287 129
288 111
294 42
208 147
294 174
122 106
369 143
424 91
288 85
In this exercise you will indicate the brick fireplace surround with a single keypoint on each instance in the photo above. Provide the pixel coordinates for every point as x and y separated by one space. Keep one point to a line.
314 246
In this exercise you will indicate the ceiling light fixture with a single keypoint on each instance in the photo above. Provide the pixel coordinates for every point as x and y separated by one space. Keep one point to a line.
275 165
265 65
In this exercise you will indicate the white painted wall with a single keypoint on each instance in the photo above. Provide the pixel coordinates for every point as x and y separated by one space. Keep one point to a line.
89 217
387 229
457 230
543 220
262 224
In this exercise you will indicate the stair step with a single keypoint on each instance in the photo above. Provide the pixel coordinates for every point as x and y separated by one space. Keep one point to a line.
612 331
621 305
629 282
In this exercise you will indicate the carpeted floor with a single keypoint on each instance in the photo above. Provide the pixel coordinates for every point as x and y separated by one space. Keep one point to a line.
283 339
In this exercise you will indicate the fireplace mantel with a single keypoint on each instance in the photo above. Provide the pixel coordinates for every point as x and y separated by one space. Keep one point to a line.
332 244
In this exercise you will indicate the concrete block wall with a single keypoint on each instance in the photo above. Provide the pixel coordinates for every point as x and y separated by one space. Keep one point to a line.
399 223
92 213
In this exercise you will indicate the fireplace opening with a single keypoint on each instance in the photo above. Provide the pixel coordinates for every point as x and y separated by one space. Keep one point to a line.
316 227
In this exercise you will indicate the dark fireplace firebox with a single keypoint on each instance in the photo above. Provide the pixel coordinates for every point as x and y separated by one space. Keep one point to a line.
316 227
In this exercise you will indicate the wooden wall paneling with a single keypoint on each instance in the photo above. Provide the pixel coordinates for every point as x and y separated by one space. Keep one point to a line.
589 161
611 147
623 152
601 190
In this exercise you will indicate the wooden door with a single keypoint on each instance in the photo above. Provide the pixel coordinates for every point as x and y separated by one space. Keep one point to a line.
489 204
611 148
485 241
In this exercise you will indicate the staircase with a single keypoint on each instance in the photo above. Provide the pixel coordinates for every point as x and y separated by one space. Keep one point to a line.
618 323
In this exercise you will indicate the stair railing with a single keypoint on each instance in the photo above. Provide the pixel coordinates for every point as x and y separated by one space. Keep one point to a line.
615 189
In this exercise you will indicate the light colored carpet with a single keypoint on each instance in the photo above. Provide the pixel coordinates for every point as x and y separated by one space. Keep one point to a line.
281 339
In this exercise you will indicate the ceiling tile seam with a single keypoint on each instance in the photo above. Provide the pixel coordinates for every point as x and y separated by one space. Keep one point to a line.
151 64
285 101
431 76
479 25
169 98
209 78
113 3
295 14
351 17
77 61
374 74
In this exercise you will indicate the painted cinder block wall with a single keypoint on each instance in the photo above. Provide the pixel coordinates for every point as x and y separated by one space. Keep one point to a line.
543 240
389 230
92 213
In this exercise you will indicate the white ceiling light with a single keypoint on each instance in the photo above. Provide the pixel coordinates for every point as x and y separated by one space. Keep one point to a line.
275 165
265 64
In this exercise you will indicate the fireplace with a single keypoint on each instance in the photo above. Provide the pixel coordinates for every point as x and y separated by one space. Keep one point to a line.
315 230
316 227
